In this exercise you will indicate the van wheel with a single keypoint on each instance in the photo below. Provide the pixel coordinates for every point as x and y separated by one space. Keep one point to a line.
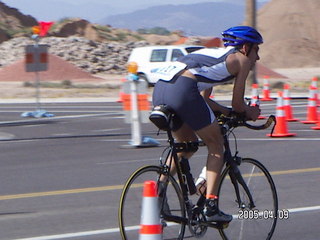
143 77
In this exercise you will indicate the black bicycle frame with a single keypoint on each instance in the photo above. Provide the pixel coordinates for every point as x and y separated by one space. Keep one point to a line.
173 150
234 173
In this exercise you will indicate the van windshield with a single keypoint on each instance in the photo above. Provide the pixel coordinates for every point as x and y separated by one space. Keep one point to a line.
192 49
158 55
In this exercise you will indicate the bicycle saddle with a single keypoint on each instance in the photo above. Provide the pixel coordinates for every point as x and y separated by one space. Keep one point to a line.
165 118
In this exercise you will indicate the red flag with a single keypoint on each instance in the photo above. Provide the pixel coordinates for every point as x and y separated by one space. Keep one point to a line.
44 28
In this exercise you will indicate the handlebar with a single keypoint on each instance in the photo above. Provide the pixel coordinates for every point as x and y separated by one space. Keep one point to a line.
238 119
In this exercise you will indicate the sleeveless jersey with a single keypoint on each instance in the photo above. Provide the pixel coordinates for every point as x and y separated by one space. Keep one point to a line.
209 66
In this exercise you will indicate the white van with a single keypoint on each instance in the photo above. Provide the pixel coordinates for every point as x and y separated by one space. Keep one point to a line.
151 57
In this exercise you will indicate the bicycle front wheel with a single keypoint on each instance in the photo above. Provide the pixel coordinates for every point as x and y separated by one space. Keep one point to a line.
249 222
131 204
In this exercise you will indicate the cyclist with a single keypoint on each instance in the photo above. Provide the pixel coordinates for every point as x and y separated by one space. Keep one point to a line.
186 85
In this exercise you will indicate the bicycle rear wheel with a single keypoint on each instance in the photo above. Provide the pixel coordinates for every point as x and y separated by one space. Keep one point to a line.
131 204
249 223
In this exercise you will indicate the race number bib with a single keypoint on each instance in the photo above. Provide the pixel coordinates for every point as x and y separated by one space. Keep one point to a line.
167 72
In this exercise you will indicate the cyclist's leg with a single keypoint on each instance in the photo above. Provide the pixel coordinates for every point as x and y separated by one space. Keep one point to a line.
183 134
211 135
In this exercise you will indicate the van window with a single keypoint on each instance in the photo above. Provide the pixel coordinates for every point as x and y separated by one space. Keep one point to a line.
192 49
176 53
159 55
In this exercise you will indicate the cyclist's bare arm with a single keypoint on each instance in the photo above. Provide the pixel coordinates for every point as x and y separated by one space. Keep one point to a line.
216 107
239 65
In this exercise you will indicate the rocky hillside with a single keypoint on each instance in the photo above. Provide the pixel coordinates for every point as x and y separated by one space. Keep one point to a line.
91 56
12 22
15 24
93 48
290 30
291 33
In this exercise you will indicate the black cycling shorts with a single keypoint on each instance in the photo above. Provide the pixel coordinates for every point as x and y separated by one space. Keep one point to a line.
183 96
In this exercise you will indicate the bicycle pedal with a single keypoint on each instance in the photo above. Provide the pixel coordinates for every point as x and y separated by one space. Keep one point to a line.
217 225
163 223
223 225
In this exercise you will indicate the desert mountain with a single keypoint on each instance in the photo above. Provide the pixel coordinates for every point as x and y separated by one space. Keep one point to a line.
290 29
291 33
204 19
11 20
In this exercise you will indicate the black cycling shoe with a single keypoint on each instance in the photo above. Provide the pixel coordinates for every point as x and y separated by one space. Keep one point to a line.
213 214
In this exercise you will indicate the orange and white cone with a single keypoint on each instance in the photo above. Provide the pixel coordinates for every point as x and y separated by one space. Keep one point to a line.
266 91
287 105
314 83
317 127
150 225
281 129
255 98
312 107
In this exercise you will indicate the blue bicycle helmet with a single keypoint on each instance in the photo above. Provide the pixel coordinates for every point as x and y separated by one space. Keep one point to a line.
237 36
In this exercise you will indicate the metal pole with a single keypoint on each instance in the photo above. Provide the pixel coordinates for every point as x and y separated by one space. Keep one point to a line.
37 77
38 91
251 20
251 13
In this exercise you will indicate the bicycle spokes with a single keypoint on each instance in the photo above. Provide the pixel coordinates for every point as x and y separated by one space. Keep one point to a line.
254 196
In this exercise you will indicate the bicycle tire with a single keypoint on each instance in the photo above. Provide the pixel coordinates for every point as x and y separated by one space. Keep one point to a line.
259 222
131 201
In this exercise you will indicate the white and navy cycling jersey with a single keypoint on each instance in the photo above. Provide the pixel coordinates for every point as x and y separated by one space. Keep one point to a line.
209 66
182 94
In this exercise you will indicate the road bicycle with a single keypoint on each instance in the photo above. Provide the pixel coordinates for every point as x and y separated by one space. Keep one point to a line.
246 189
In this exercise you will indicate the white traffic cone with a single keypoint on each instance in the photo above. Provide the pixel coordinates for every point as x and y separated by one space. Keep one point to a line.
281 129
150 225
255 101
266 91
286 103
314 83
312 107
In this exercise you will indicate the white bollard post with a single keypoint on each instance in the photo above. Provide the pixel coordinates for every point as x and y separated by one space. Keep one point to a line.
135 117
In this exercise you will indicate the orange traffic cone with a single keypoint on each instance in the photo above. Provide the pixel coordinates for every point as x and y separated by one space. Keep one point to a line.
281 129
255 98
317 127
312 107
314 83
287 105
150 227
266 91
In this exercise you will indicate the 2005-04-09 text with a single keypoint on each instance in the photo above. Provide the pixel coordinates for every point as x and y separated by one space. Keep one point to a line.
264 214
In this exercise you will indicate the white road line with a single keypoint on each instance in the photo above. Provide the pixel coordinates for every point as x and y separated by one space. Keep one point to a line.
279 139
115 230
239 139
304 209
73 235
107 130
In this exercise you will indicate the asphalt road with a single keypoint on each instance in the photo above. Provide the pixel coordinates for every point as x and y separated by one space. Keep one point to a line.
61 177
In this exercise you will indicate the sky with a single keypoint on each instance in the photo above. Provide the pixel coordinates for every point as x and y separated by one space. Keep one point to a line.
92 10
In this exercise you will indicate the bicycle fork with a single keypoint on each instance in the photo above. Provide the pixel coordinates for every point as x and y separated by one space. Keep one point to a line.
236 177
